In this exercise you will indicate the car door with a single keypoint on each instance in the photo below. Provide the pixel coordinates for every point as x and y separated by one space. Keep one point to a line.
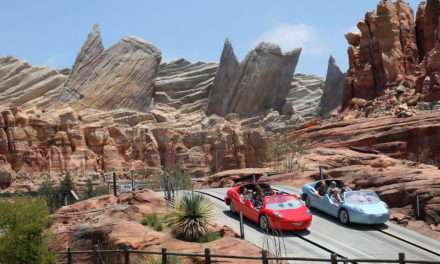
331 207
317 201
250 212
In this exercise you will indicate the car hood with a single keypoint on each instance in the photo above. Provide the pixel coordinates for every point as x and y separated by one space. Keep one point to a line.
377 208
295 215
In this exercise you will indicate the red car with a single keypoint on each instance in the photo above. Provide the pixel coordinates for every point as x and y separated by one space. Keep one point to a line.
269 208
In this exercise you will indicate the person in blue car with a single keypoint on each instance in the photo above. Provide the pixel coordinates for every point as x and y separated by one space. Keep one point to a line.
335 192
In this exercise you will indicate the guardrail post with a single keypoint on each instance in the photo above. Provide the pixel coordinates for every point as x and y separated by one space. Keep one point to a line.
402 258
126 255
334 259
241 225
207 256
132 181
115 191
69 256
164 256
264 257
95 257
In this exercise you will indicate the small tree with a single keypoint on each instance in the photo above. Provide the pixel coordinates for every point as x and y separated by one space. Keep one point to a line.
66 185
22 239
284 152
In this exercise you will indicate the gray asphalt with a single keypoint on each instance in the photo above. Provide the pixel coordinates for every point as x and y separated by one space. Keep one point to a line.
355 241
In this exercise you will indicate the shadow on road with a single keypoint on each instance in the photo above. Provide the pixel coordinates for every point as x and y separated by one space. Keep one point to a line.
254 226
352 226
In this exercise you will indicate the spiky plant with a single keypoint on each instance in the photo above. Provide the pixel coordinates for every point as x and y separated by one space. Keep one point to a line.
190 217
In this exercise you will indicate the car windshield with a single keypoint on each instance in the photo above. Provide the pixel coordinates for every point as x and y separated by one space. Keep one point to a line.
283 204
361 197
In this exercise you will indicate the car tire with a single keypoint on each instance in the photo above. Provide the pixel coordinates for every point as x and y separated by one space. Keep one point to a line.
232 207
308 201
264 223
344 217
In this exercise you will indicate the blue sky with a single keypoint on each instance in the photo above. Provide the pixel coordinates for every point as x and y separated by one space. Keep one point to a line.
51 32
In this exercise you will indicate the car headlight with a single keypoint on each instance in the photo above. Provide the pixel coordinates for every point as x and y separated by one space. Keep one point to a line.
358 209
308 211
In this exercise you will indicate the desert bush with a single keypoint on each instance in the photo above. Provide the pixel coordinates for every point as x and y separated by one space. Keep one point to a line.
190 217
22 237
153 221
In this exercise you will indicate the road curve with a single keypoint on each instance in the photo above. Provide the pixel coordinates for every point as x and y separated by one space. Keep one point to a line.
326 235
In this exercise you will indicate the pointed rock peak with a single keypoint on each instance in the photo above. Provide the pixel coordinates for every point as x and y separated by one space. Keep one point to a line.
96 29
91 48
333 68
228 52
94 39
331 60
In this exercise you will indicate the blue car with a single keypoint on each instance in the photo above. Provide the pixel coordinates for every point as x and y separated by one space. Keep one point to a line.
361 207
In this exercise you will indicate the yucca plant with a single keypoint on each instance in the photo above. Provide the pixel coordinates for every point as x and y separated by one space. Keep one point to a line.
190 217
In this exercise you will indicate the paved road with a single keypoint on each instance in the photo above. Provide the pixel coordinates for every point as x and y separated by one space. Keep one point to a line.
327 235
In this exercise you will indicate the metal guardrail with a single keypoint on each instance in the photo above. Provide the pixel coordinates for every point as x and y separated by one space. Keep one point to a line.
208 257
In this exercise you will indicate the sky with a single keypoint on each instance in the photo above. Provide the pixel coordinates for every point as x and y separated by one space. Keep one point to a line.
51 32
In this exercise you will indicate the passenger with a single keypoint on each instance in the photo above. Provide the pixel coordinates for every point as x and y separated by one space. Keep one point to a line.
321 189
246 194
335 192
258 196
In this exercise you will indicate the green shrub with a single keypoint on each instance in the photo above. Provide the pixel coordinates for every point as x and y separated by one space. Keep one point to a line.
208 237
153 221
22 238
190 217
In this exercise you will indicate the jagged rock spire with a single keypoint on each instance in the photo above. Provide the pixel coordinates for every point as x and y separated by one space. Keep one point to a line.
260 82
333 90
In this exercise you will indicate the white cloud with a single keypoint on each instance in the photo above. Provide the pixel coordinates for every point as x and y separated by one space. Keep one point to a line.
291 36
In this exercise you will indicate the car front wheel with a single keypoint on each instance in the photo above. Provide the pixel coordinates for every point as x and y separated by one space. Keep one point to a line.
232 207
264 223
308 201
343 217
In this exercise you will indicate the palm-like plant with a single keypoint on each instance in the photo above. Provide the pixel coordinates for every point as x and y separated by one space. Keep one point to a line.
190 217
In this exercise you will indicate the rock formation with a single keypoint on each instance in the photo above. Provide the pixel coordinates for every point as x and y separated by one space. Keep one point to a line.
21 82
393 50
258 83
333 91
119 77
61 142
304 96
383 52
414 138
